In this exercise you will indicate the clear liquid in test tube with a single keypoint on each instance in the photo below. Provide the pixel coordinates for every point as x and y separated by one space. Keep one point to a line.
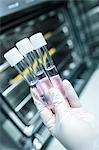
15 59
26 49
39 45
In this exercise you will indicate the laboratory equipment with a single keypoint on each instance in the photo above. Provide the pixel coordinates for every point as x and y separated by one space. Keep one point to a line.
31 56
39 45
41 137
29 18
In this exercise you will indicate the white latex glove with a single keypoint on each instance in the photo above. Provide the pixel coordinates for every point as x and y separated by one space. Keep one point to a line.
72 126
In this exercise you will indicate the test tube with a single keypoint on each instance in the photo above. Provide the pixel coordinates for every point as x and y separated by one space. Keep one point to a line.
40 45
26 49
15 59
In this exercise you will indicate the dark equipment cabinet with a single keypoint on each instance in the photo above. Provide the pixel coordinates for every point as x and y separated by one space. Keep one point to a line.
20 19
87 22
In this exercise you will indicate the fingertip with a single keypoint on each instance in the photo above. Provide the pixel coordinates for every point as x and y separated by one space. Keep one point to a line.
36 98
56 96
35 93
53 91
66 83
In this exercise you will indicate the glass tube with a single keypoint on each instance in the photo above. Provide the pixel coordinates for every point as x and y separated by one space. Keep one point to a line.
51 69
16 60
26 72
39 44
44 83
34 62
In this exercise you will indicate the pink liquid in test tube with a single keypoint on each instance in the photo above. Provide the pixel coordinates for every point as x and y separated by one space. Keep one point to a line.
38 91
56 80
43 87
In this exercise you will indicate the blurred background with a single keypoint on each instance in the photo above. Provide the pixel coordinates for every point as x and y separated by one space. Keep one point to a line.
71 29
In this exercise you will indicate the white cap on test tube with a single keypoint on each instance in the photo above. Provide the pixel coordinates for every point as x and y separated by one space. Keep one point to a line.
13 56
38 40
24 46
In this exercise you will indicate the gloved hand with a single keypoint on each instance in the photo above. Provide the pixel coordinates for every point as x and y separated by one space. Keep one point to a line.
75 128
